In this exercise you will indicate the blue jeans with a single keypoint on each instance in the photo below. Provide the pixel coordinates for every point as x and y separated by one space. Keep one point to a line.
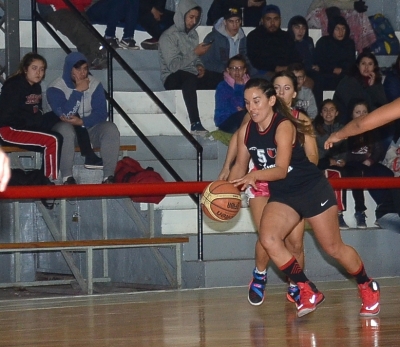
115 13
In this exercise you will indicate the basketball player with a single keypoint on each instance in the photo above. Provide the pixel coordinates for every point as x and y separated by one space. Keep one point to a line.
285 84
273 140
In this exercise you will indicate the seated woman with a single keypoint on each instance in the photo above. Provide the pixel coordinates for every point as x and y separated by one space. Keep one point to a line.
333 160
362 160
364 81
229 95
22 121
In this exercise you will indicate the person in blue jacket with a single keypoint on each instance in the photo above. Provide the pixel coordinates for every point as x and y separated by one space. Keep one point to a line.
78 99
229 96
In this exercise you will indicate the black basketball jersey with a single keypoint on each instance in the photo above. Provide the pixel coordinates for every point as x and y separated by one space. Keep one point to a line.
262 149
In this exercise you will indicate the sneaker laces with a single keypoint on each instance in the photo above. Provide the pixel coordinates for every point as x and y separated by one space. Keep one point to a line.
367 293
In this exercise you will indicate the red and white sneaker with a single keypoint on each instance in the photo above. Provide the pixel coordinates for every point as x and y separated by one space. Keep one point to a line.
370 295
309 299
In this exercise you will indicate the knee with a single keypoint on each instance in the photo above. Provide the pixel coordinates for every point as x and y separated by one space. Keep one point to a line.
333 249
67 132
111 132
295 247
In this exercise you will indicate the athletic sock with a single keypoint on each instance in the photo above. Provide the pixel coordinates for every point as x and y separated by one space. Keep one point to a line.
260 272
360 275
293 270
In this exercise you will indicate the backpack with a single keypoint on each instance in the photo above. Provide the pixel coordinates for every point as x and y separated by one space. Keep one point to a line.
20 177
386 42
129 170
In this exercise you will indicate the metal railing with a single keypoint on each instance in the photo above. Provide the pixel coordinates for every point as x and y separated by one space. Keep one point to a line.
113 55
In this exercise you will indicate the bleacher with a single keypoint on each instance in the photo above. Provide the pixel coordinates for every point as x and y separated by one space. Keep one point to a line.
175 215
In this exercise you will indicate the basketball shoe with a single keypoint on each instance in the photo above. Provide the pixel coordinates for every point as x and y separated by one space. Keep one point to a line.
370 295
257 288
309 298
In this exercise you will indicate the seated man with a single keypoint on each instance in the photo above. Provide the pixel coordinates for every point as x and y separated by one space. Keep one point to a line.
155 19
59 15
269 48
78 98
113 13
228 39
181 68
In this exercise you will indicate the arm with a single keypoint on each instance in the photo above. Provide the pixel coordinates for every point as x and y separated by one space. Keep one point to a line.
5 172
230 157
99 108
310 143
60 105
377 118
312 109
284 137
241 165
173 57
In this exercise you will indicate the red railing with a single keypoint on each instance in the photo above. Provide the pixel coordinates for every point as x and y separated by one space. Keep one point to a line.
140 189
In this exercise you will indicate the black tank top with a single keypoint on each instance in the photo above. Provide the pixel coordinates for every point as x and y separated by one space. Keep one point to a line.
262 149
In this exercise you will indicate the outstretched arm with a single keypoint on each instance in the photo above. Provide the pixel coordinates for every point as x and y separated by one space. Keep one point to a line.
375 119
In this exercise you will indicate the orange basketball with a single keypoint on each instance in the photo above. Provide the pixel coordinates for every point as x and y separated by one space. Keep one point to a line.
221 201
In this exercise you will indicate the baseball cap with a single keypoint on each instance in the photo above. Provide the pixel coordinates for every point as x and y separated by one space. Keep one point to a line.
270 9
233 12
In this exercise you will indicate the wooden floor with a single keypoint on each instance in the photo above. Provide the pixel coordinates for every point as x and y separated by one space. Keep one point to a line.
208 317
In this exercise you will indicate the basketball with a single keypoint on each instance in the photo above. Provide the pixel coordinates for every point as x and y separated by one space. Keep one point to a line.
221 201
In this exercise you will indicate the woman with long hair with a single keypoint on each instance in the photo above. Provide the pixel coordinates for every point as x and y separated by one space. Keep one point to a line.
274 140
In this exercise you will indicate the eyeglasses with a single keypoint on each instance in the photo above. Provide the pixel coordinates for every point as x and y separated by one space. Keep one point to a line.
236 68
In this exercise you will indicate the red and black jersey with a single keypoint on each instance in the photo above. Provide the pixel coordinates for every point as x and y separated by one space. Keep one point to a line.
262 148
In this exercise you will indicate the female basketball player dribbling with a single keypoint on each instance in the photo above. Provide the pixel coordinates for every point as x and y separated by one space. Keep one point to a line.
272 139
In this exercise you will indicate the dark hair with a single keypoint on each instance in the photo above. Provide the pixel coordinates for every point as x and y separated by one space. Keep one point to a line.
79 63
280 107
237 57
319 120
296 67
26 61
288 74
296 20
355 102
355 72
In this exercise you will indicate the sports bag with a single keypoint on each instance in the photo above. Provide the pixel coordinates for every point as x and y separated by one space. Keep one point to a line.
129 170
21 177
386 42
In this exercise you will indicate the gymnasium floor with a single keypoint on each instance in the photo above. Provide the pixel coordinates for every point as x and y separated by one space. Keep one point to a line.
204 317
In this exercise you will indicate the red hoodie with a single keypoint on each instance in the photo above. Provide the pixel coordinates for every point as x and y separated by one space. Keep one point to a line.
60 4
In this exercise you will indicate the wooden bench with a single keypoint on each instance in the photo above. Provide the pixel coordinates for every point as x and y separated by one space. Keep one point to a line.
89 245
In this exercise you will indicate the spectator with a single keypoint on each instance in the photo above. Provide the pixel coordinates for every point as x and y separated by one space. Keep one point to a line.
362 160
364 81
181 68
305 99
333 160
22 121
113 13
334 56
229 96
269 48
228 39
80 96
155 19
58 14
251 10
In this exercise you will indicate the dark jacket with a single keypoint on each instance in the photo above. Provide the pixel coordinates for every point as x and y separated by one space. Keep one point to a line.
352 88
364 146
331 53
216 58
391 85
21 104
268 50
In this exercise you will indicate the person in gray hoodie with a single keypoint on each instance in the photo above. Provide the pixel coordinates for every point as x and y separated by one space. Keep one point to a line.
228 40
179 54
